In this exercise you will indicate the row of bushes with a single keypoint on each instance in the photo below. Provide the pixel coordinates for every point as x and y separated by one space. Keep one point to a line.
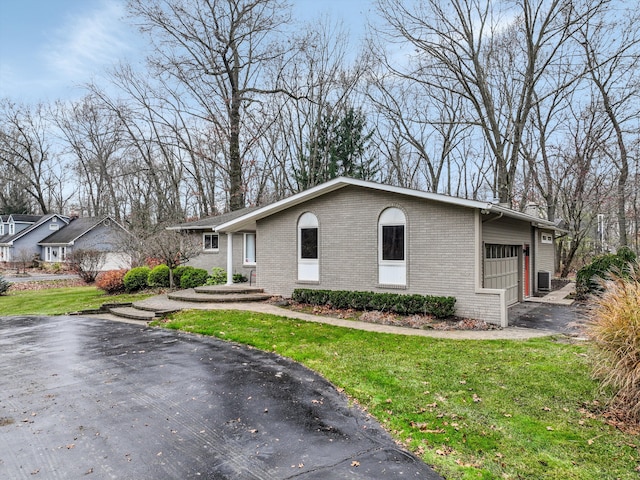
138 278
439 307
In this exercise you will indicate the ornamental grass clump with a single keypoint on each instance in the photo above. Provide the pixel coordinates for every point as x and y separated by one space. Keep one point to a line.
614 327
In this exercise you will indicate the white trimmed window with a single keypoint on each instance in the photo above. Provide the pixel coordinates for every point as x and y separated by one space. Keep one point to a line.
63 254
47 254
392 247
546 238
210 242
249 249
12 228
308 265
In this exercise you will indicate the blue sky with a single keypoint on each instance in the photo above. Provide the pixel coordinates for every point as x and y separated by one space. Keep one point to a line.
50 47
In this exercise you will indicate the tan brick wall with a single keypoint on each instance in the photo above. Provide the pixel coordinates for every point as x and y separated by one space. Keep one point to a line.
209 260
440 250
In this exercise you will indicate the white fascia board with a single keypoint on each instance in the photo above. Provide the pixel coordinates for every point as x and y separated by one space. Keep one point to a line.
535 221
248 222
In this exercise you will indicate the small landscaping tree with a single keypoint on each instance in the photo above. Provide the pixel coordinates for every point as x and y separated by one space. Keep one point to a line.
87 262
172 248
24 258
4 285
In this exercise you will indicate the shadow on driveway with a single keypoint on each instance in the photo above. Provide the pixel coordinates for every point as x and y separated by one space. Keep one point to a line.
87 396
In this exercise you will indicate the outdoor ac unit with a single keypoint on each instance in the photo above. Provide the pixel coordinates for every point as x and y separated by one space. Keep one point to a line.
544 280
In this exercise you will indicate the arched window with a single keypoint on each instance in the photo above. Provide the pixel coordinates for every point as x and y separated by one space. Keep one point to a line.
308 254
392 247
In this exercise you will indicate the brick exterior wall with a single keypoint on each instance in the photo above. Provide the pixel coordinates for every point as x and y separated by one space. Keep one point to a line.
440 250
210 259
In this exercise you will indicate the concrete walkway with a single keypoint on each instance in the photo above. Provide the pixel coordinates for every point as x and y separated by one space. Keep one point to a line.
557 297
161 302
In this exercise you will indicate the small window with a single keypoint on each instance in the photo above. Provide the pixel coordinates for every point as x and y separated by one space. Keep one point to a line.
249 248
12 228
54 226
547 238
210 241
63 254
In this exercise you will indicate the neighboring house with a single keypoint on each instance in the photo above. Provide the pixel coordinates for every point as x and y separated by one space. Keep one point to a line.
23 232
88 233
215 244
351 234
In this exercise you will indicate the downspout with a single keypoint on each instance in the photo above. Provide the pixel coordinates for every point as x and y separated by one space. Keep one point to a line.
500 215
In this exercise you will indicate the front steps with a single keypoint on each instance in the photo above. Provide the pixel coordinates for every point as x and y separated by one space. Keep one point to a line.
162 305
220 294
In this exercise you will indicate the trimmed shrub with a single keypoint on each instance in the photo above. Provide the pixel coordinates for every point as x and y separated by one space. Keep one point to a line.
614 327
159 276
111 281
239 278
439 307
195 277
588 277
179 271
218 276
136 279
4 285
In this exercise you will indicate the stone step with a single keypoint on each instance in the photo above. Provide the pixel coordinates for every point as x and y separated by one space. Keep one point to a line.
193 296
132 313
236 289
149 306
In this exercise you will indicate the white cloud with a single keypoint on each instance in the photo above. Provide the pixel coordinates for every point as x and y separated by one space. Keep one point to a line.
88 42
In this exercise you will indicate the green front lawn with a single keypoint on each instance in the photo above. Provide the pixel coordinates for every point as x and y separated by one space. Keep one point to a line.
473 409
58 301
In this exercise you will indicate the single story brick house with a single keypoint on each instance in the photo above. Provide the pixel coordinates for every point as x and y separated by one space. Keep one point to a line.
215 245
349 234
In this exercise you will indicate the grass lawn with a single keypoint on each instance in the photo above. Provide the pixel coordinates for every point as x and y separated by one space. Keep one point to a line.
473 409
58 301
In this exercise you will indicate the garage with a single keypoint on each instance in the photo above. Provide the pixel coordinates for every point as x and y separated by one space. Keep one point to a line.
501 269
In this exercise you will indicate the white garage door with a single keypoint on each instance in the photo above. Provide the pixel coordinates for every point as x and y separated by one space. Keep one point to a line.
501 270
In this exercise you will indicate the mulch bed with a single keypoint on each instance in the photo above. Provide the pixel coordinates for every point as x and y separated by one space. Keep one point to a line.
422 322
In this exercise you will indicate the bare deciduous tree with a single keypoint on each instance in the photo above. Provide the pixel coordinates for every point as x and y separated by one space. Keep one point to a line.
217 50
25 150
491 54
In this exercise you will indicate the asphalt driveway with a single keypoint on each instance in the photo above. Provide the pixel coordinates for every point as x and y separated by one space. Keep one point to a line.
566 319
88 397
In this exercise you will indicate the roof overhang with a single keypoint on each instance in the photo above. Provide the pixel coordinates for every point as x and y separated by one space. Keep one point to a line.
248 222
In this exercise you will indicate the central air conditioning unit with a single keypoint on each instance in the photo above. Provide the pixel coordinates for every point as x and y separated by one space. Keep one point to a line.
544 281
